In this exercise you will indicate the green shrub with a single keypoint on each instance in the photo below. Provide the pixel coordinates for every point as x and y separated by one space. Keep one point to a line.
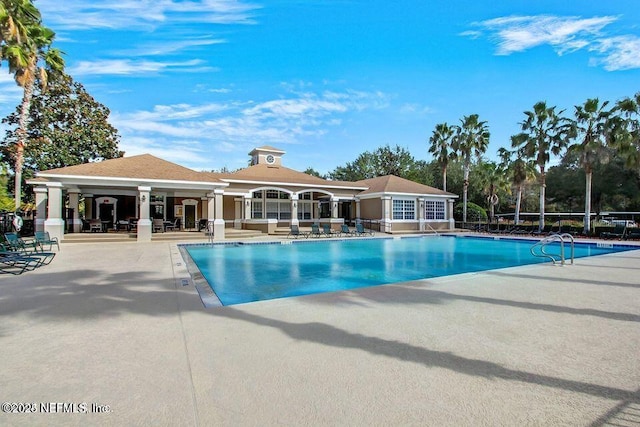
475 213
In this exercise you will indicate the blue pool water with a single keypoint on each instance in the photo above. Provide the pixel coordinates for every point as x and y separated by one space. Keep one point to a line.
242 273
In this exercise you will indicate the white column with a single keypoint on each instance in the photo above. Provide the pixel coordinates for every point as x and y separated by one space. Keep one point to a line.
74 197
211 209
144 222
294 210
357 208
421 219
54 224
41 208
334 208
218 222
247 207
452 222
386 213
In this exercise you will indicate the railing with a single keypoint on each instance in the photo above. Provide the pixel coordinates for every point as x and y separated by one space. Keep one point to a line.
561 238
432 229
210 229
370 224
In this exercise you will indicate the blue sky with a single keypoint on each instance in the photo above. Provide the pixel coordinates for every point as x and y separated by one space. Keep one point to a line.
202 82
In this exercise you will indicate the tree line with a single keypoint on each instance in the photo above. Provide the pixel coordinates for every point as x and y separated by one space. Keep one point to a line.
597 139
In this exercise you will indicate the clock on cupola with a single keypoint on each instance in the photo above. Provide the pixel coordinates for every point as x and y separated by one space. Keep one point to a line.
266 155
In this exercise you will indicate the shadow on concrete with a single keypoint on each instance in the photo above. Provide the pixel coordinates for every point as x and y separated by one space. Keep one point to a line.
536 278
86 294
331 336
407 294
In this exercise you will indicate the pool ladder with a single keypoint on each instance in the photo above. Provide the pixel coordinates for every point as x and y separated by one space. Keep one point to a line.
210 229
562 238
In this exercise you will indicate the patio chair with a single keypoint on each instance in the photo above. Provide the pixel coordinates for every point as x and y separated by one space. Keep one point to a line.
43 238
172 225
327 231
95 225
16 243
296 233
344 230
158 225
315 231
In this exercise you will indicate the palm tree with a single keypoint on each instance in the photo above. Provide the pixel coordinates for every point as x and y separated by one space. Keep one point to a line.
593 130
471 139
14 16
627 130
520 171
543 132
492 178
441 142
28 54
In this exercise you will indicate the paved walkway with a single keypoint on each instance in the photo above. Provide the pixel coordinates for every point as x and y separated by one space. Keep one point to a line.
112 325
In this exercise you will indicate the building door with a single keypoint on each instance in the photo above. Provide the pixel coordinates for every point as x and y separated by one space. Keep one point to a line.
189 216
345 212
106 214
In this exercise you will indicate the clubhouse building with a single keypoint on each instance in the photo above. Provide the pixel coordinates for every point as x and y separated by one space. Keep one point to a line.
264 196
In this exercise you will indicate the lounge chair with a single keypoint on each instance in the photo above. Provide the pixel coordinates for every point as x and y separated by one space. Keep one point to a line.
16 243
617 233
633 233
360 231
296 233
13 262
43 238
315 231
345 231
327 231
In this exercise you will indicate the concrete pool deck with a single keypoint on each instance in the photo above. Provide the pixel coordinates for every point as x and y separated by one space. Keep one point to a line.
112 325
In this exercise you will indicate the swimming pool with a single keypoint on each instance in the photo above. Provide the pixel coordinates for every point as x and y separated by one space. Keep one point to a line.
241 273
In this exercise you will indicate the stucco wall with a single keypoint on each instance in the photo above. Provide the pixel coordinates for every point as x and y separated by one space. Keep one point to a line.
229 208
405 226
371 208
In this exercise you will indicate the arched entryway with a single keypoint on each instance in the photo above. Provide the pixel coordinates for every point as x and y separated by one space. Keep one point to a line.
107 210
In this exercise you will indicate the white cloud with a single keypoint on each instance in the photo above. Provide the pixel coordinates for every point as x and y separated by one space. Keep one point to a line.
564 35
179 46
519 33
135 67
237 126
140 14
10 92
619 53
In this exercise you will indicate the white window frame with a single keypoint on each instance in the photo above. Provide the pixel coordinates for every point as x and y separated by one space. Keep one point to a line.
403 209
435 210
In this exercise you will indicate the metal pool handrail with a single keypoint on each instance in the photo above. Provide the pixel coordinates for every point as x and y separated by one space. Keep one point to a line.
550 239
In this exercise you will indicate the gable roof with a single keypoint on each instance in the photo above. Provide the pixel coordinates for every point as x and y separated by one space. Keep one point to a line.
144 166
280 174
395 184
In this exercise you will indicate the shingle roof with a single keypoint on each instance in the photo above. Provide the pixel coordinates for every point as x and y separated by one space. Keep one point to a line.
395 184
266 148
271 173
144 166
